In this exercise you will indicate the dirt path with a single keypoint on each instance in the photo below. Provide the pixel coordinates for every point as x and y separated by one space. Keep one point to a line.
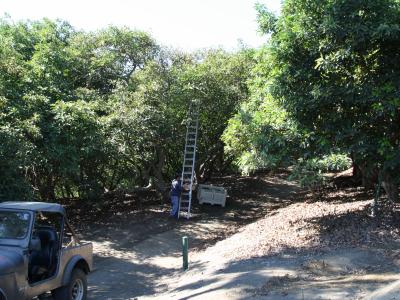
139 254
351 273
138 249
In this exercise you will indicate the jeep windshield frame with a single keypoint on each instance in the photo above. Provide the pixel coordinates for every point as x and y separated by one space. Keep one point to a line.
22 241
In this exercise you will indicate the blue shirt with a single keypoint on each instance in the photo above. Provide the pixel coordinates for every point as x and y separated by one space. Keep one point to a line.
176 188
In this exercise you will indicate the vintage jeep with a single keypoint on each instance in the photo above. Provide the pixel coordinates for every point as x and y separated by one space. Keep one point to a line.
39 252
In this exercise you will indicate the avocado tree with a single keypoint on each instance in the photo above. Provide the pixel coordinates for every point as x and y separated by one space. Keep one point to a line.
83 113
336 73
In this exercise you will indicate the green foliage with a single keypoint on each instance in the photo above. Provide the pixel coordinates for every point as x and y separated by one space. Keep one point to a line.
13 184
334 162
262 135
329 66
308 177
266 19
56 89
336 74
82 113
310 172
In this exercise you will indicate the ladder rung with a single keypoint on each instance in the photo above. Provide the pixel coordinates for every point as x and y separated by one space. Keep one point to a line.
192 127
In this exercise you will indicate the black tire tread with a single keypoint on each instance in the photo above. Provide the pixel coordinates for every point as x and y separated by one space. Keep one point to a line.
63 293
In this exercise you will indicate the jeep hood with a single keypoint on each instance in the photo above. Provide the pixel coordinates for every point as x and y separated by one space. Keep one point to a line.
10 261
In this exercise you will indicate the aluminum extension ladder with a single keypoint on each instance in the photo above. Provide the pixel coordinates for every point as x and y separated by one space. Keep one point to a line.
189 160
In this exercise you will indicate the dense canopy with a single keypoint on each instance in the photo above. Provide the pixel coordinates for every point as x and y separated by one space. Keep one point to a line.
83 113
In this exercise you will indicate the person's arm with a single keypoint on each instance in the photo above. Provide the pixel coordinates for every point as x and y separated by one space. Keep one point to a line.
185 186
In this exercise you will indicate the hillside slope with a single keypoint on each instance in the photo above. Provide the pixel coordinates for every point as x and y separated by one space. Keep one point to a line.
328 249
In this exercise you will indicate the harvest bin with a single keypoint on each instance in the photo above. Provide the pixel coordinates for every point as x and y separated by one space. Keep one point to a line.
211 194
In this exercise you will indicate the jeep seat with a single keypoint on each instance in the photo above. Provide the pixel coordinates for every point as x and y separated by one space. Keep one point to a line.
43 262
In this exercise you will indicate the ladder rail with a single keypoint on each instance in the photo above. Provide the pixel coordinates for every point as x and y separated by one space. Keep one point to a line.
193 165
189 155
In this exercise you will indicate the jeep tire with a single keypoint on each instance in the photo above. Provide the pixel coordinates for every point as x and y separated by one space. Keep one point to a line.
76 289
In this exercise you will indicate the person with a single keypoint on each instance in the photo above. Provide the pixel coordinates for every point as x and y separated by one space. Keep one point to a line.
176 189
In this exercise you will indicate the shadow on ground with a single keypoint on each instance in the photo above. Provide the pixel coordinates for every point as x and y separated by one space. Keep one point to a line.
351 273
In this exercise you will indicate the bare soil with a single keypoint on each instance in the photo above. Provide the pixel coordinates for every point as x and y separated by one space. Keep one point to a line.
272 241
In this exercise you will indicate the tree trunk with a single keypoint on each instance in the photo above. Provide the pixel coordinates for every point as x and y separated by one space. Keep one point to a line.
369 176
47 190
391 187
157 170
144 175
69 192
357 175
206 169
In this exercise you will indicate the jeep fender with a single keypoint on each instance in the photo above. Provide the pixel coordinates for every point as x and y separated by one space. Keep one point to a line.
75 261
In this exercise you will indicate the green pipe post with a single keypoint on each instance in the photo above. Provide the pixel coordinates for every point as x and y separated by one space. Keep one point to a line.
185 247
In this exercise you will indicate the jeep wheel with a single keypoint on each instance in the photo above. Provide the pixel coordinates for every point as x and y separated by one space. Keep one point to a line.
76 289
